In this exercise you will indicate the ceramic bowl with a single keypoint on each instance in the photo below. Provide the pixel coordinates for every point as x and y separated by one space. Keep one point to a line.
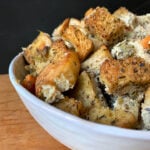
72 131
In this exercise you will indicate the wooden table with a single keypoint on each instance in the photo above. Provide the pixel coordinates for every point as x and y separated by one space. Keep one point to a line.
18 130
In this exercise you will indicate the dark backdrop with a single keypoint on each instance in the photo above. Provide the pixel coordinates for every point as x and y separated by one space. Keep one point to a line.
20 20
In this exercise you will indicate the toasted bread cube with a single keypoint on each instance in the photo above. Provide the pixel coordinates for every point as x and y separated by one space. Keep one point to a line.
38 48
59 75
104 26
125 76
83 45
37 53
129 104
93 63
70 105
72 31
105 115
86 91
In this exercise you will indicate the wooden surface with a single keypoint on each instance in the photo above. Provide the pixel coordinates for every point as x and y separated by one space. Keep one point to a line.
18 130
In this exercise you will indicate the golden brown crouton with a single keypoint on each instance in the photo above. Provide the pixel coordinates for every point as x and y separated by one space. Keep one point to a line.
59 75
83 45
104 26
57 51
107 116
38 49
93 63
37 53
123 76
146 110
86 91
72 31
128 104
70 105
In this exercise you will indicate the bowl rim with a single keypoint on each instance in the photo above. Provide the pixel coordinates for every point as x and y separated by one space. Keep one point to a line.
84 124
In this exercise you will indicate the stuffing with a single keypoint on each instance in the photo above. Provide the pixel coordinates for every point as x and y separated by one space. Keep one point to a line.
96 68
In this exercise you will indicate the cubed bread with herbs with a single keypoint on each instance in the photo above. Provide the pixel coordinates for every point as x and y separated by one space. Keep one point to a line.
104 26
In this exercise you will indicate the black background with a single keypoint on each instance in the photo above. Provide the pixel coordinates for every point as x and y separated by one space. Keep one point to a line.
20 20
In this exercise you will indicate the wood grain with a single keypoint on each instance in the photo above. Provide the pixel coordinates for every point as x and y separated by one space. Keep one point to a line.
18 130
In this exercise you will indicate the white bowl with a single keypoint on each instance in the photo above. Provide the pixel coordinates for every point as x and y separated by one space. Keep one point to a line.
74 132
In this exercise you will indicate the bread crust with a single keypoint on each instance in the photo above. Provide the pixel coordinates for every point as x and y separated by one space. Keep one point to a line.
93 63
61 73
115 117
83 45
38 48
119 76
71 30
86 91
70 105
104 26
